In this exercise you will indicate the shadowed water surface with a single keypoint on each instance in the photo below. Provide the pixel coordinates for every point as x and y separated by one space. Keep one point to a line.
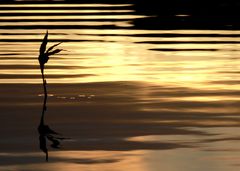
130 94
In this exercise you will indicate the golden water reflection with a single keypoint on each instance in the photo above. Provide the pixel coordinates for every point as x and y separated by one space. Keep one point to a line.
176 92
66 5
136 160
116 58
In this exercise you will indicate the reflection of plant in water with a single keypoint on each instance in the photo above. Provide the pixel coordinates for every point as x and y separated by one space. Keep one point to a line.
45 132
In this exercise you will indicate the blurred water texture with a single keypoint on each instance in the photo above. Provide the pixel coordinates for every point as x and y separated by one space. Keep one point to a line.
142 88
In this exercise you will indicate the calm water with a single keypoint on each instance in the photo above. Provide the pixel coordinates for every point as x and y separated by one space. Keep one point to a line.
175 92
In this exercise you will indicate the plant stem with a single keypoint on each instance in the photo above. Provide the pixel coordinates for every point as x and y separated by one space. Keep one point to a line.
45 98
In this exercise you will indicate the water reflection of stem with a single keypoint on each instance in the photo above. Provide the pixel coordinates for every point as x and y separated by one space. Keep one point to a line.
41 128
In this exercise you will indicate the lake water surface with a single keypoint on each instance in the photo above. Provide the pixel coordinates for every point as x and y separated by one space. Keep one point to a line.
127 98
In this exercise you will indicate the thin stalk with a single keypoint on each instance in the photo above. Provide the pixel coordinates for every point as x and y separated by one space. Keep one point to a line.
45 98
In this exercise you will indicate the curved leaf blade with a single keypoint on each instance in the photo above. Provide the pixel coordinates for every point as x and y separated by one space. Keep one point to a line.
49 49
44 44
54 52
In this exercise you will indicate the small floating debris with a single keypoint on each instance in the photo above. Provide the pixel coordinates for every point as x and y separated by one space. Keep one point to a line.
49 95
86 96
61 97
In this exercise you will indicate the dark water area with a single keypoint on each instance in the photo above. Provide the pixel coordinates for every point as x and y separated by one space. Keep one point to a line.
185 14
140 85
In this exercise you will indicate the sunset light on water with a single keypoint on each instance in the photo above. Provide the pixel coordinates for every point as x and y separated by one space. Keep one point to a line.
131 89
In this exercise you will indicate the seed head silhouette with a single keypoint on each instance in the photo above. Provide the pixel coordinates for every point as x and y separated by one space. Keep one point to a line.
45 54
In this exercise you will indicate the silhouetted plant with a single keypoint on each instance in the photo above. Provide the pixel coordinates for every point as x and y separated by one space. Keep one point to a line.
45 132
44 55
